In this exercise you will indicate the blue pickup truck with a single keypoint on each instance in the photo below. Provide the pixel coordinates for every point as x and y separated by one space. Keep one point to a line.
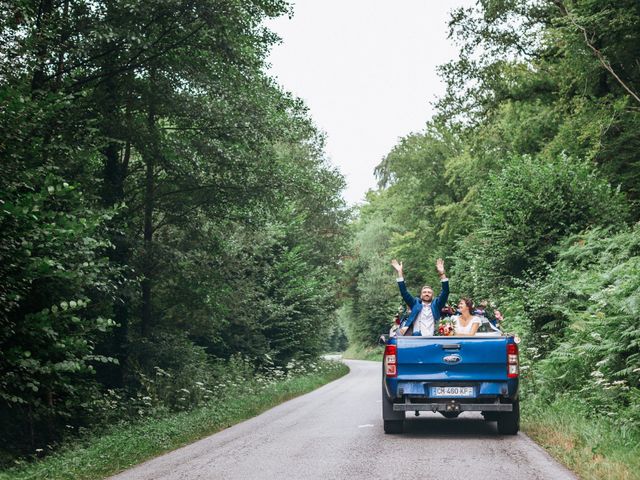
450 375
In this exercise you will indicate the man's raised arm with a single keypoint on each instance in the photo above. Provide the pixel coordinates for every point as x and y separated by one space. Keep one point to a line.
406 296
444 293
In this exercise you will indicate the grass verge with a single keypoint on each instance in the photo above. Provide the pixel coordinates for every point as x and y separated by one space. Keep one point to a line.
128 445
357 352
593 448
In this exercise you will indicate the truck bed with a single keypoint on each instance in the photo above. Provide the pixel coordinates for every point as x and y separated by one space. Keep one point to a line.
452 358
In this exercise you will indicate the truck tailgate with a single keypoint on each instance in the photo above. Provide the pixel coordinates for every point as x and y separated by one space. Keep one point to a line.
452 358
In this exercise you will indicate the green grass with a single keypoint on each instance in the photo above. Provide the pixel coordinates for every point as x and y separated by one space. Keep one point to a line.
594 449
128 445
357 352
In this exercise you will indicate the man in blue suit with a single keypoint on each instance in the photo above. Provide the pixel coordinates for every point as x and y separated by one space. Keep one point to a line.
425 311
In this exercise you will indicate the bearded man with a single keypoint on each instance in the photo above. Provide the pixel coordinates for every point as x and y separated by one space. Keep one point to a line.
425 311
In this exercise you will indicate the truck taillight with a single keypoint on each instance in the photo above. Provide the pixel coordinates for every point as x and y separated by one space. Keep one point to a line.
390 361
512 360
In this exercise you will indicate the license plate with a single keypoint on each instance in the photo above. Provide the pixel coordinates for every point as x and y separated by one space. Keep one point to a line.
452 392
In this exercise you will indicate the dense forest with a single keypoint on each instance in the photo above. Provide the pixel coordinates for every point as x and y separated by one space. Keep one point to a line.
168 217
170 223
527 182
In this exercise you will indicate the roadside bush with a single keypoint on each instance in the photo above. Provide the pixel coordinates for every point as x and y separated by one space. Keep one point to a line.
55 287
596 284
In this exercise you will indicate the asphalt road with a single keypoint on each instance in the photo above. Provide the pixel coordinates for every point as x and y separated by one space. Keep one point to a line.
336 432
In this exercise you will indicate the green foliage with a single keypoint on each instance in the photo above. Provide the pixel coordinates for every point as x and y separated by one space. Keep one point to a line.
526 182
297 326
55 284
192 216
414 172
524 211
357 352
371 295
596 356
337 340
401 221
558 76
127 444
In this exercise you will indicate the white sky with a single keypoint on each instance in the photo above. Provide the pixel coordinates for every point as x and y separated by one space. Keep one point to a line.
367 71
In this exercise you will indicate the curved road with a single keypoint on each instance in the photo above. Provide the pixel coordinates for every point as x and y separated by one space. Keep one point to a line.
335 432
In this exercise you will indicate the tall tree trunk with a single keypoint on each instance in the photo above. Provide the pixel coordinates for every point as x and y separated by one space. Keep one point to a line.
45 9
151 152
110 96
64 37
115 173
39 78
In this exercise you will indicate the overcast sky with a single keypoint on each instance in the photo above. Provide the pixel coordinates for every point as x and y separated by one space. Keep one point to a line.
367 71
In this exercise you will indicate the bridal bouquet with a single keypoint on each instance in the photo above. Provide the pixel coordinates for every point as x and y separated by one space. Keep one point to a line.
446 328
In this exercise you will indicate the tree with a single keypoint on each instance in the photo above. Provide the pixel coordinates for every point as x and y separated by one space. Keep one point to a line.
192 176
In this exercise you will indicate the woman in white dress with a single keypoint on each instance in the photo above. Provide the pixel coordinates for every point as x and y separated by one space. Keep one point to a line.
466 324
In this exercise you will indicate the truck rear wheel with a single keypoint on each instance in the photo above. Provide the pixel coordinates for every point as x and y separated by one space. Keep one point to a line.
393 421
490 416
509 422
393 426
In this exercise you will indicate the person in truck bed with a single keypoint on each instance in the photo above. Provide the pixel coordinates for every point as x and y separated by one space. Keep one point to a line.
466 323
403 313
425 310
483 310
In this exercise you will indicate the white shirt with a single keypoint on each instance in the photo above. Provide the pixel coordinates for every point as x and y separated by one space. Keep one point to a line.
467 329
424 323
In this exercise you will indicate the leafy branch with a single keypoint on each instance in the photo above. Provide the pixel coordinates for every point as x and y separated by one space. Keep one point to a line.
589 41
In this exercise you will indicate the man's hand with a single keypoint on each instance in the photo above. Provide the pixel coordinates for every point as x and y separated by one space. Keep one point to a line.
398 267
403 330
440 268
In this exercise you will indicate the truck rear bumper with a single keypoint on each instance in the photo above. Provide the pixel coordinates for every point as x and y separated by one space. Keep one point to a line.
453 406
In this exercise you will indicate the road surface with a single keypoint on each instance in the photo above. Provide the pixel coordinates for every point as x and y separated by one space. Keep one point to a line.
336 432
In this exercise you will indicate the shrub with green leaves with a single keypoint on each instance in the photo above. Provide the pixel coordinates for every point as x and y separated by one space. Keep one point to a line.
53 281
596 356
525 209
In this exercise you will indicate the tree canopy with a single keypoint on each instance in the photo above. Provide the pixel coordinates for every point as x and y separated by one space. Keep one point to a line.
166 206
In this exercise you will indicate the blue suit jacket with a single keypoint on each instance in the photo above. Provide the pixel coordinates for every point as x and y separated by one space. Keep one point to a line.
416 304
